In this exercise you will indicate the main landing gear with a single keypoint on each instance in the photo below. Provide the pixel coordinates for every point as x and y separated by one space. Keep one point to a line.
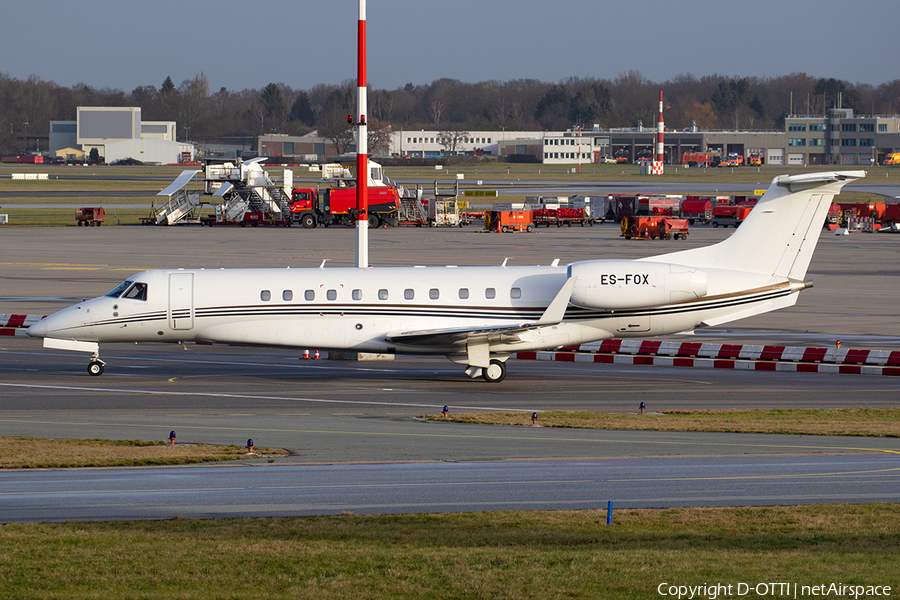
495 373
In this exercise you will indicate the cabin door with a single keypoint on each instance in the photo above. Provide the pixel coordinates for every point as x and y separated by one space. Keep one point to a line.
181 301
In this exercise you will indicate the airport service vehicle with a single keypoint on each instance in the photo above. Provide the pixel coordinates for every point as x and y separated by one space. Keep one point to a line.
337 206
644 205
701 159
696 208
732 160
654 228
892 158
891 216
89 216
730 214
475 316
862 210
755 158
608 160
563 215
505 221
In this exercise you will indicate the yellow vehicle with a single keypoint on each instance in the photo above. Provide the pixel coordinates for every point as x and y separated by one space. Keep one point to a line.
892 158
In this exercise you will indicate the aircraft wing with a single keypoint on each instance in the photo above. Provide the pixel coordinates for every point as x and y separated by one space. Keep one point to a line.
553 315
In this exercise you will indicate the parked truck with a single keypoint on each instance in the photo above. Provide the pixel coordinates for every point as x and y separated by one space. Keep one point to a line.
644 205
504 221
337 206
654 228
729 214
563 215
89 216
732 160
697 208
701 159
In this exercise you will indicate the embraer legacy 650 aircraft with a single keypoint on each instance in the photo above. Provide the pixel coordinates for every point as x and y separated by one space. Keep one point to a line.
476 316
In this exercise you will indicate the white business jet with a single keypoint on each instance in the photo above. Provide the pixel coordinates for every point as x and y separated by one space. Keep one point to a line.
476 316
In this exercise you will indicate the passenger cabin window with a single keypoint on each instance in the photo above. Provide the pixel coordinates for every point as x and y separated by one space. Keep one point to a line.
265 295
382 294
309 295
137 292
463 293
515 293
331 294
287 295
434 293
409 294
356 294
490 293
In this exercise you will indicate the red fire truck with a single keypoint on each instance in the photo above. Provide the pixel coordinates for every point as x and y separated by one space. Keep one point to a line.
337 206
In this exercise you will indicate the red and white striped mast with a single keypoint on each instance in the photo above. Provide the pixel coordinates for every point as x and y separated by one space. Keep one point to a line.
660 127
362 159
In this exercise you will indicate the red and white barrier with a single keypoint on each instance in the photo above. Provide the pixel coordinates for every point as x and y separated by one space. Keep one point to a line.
19 320
728 356
12 325
864 224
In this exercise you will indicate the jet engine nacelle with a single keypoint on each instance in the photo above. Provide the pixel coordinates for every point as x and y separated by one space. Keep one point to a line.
618 284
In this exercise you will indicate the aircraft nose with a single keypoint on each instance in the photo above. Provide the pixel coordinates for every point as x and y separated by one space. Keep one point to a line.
39 329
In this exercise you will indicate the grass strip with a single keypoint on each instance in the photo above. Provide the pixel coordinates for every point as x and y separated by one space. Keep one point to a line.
37 453
550 554
872 422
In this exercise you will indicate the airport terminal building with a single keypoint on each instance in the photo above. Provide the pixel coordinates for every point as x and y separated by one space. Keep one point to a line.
838 138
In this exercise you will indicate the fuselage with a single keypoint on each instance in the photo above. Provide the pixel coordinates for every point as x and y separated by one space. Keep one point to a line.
360 309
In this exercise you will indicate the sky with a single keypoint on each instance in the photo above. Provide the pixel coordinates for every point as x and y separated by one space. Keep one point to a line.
123 44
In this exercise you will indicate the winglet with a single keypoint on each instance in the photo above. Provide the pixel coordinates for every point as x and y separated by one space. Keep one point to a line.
557 309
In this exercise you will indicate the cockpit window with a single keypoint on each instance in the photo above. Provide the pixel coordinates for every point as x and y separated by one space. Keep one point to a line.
137 292
117 291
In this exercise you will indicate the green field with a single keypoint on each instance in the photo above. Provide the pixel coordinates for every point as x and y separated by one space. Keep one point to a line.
521 555
872 422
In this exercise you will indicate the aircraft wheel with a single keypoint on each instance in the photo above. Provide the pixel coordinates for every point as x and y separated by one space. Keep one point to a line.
95 368
494 373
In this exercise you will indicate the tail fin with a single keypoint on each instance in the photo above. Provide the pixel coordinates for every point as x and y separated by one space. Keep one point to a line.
779 235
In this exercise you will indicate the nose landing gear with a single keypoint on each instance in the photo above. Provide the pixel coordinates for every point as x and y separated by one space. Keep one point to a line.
95 367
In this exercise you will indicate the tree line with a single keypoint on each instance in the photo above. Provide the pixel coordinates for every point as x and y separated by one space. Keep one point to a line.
709 102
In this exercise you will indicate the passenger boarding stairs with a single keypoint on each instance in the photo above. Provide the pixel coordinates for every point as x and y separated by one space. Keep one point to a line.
270 201
246 187
175 204
412 212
